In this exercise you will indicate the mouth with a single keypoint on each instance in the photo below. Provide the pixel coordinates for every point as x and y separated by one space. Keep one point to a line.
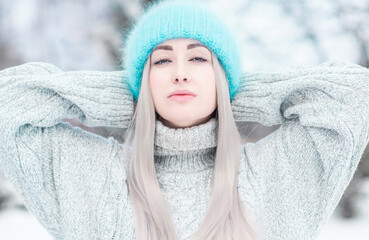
181 97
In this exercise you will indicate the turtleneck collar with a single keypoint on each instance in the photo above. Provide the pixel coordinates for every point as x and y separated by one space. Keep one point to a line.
185 150
190 139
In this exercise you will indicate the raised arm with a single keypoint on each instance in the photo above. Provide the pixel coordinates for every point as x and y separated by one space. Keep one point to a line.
39 153
300 171
97 98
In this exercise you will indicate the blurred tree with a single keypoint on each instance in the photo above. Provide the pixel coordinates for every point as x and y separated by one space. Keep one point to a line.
355 20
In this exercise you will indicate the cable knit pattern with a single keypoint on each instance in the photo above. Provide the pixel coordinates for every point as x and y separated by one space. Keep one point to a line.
74 182
184 160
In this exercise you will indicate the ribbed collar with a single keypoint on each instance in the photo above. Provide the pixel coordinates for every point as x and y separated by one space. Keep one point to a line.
188 139
185 150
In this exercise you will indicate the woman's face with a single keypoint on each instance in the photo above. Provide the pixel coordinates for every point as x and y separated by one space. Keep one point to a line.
182 64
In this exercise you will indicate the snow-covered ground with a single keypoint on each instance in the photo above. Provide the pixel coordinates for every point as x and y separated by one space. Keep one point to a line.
18 225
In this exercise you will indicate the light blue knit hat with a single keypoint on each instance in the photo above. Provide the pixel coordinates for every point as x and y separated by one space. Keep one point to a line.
165 20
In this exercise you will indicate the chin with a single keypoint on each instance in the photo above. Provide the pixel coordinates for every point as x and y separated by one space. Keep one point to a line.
182 123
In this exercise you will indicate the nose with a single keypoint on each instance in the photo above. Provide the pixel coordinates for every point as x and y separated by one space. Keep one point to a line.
180 72
184 79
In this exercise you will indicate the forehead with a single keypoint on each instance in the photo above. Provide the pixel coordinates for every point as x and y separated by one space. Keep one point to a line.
180 42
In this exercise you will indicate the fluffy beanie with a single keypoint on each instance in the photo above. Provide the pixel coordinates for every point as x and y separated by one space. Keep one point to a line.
163 20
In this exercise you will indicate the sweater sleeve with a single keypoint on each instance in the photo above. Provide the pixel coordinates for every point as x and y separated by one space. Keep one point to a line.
34 99
302 169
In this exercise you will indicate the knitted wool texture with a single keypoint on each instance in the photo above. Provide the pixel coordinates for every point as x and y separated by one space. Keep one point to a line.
74 182
165 20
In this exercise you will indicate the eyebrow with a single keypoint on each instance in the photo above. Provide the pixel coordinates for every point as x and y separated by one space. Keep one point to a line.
190 46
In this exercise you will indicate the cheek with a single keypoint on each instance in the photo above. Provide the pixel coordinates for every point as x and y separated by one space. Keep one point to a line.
208 84
156 84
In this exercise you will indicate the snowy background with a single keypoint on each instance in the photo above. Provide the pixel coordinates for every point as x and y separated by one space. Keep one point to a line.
87 35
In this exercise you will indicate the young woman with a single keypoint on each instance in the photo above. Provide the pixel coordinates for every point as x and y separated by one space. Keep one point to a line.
182 172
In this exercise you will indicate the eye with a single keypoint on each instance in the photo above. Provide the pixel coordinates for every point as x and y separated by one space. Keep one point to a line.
160 61
201 59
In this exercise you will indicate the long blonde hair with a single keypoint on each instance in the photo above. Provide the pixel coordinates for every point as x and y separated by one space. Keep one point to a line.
225 218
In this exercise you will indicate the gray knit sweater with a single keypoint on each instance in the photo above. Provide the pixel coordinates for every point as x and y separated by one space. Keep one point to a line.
290 182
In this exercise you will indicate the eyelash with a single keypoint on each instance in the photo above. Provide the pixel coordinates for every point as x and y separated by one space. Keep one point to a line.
158 62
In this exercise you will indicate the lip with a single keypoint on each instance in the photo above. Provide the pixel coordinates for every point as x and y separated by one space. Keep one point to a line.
182 93
181 98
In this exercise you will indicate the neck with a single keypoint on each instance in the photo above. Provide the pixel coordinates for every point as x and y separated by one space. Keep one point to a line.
177 125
